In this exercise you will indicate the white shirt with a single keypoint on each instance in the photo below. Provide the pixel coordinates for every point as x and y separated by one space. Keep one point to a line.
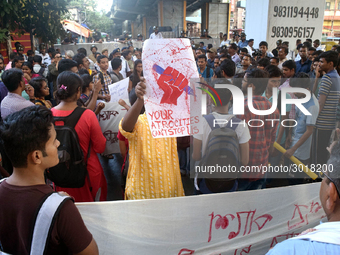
125 67
250 50
281 62
227 42
154 36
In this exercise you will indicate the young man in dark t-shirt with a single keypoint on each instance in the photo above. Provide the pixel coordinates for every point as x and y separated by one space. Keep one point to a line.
30 142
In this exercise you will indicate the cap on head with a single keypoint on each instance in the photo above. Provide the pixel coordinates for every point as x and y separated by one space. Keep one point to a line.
115 51
212 50
139 35
155 28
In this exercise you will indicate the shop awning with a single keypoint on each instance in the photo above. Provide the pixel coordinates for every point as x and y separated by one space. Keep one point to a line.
76 28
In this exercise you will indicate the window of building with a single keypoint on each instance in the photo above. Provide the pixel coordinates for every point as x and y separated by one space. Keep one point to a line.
328 5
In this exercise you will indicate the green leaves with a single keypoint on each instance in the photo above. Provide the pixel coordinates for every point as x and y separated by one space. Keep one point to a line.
42 16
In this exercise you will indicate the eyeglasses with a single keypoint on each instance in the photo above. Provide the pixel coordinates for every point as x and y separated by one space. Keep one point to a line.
323 175
58 57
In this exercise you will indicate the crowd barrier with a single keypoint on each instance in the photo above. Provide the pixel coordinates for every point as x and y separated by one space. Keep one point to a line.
248 222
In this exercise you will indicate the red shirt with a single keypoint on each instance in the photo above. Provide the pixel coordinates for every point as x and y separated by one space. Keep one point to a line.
88 130
262 136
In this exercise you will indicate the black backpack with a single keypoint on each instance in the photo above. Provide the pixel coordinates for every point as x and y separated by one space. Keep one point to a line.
41 72
71 171
222 149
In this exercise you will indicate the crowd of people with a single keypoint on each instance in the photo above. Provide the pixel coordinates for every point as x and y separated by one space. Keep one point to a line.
35 88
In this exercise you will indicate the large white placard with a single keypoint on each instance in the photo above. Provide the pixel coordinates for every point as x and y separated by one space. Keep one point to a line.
290 20
249 222
168 66
109 119
119 90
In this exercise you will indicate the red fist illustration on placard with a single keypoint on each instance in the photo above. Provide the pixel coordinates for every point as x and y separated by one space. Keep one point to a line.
172 82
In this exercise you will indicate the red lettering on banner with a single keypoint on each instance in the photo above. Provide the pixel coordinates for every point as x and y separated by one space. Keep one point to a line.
282 238
245 250
186 252
224 222
301 213
105 115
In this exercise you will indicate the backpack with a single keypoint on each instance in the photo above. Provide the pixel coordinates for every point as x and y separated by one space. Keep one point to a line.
222 149
46 216
71 170
41 72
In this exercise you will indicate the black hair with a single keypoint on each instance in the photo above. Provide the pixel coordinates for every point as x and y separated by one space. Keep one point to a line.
54 53
93 46
217 72
16 44
68 84
237 80
245 50
17 59
233 46
303 46
66 65
202 43
37 59
202 50
318 52
87 79
12 55
307 44
228 67
258 78
298 40
290 64
301 80
96 54
227 56
83 51
225 94
12 78
30 53
50 50
202 56
83 71
99 58
79 58
312 48
2 59
133 99
273 71
284 48
24 132
126 53
263 43
264 62
330 56
135 77
37 84
276 59
115 63
316 59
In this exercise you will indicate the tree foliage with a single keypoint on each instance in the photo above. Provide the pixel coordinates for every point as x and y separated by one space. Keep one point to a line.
40 17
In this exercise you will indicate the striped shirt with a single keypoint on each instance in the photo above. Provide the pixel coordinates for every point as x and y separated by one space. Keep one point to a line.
330 87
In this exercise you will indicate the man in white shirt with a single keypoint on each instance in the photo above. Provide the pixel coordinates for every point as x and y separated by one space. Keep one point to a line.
232 52
125 67
225 40
317 45
282 54
45 57
249 47
156 34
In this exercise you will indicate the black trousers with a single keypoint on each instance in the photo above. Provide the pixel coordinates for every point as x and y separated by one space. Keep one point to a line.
319 152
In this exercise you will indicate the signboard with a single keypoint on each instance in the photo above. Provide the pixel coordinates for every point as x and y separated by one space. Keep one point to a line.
119 90
247 222
168 66
291 20
109 119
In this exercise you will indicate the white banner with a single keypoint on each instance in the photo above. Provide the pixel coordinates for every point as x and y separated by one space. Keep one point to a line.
119 90
248 222
290 20
109 119
168 66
